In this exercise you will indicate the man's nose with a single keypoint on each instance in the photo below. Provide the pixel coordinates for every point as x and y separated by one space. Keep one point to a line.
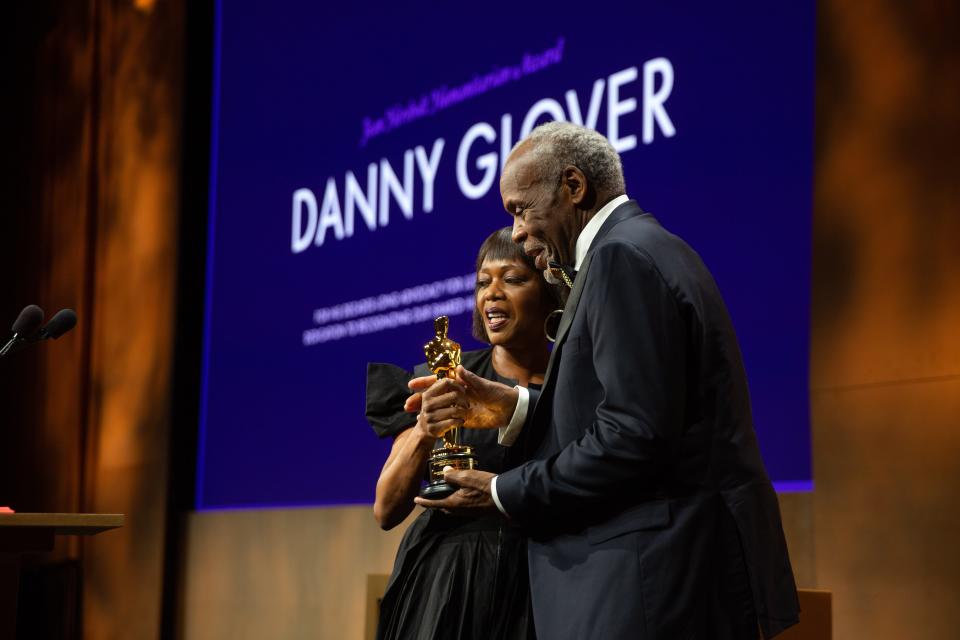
519 234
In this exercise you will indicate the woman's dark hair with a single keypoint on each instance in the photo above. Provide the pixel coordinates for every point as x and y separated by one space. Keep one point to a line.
499 245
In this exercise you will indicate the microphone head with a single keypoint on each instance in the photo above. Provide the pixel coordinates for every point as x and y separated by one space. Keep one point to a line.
61 322
29 320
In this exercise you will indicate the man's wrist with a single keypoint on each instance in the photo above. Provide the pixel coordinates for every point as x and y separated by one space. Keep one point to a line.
496 499
508 434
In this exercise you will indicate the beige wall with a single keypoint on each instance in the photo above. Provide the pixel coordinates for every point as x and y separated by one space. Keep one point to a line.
294 574
282 573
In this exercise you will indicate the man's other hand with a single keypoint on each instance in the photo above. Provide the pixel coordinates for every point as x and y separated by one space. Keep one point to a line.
473 498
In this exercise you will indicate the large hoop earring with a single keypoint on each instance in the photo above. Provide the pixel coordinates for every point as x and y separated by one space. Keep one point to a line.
552 321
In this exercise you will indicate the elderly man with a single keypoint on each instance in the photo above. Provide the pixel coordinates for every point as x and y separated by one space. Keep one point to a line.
649 510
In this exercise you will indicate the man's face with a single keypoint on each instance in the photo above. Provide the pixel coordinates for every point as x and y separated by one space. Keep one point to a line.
543 214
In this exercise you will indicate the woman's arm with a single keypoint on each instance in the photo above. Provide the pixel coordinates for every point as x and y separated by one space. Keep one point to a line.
442 408
400 478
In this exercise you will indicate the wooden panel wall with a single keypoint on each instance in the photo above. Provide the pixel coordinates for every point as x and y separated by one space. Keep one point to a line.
886 348
47 183
134 273
94 167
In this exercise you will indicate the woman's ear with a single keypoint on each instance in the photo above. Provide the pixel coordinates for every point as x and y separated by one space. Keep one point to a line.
551 296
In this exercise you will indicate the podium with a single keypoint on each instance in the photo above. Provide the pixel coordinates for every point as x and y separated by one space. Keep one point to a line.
22 533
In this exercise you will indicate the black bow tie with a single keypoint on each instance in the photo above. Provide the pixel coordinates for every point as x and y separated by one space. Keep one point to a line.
565 273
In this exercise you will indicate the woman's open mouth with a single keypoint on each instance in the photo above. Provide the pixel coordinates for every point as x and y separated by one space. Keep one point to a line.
496 318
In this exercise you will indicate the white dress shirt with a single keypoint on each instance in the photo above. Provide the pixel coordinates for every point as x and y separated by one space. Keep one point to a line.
592 228
508 435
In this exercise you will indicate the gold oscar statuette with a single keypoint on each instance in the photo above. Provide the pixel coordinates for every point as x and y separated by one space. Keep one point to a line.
443 356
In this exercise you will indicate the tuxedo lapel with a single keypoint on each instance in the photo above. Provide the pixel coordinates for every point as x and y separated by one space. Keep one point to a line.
627 210
568 312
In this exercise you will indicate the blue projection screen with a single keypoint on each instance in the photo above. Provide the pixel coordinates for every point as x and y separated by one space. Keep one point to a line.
350 143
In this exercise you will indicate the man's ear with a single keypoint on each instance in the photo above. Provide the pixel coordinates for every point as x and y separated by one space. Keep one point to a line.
575 183
579 191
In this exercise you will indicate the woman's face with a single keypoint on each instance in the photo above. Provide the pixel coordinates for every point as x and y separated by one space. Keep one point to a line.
512 303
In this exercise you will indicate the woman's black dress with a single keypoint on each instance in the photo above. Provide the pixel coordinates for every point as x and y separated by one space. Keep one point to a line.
454 577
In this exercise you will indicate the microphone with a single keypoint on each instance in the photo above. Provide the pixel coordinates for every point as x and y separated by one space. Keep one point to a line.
61 322
29 319
24 327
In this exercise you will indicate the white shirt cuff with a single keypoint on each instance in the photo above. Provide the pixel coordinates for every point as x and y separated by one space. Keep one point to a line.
508 435
496 499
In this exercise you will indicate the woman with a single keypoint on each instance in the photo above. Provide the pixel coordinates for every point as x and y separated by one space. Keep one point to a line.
458 577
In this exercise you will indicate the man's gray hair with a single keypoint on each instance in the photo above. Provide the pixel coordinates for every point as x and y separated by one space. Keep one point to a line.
559 144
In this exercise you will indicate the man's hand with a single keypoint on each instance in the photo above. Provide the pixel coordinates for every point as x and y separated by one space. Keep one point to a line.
442 406
491 404
473 498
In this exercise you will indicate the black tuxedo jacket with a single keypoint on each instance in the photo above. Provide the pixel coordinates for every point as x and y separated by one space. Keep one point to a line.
650 512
